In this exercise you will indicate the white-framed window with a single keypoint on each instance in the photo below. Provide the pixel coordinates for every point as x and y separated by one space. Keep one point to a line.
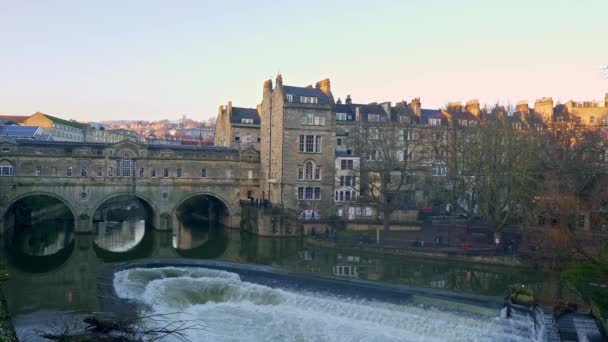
309 193
289 98
247 121
309 99
435 122
126 165
341 116
372 155
68 171
347 180
373 117
38 171
249 174
313 120
310 143
407 134
6 168
339 141
99 171
203 173
83 172
439 170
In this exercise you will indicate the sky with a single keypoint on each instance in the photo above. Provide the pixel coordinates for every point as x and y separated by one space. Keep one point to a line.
151 60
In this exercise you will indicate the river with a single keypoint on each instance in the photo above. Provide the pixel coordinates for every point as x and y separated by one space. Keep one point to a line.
54 275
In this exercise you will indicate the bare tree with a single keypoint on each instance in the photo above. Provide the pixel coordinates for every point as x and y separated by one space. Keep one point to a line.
395 156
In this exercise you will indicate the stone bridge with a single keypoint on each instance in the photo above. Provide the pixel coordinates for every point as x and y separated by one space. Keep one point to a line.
84 176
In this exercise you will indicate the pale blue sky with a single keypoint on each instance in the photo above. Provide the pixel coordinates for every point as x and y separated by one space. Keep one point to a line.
101 60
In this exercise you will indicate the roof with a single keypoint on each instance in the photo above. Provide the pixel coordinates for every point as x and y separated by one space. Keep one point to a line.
426 114
19 131
104 145
13 118
62 121
239 113
308 92
342 108
366 109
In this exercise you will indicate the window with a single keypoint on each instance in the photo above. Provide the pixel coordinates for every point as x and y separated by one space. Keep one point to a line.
341 116
126 165
308 99
141 172
404 119
289 98
179 172
237 136
38 171
68 171
407 134
317 172
435 122
99 172
309 193
372 155
228 173
308 167
152 172
6 168
83 172
247 121
338 141
300 192
346 164
249 174
311 119
111 171
203 173
317 193
347 131
373 133
166 172
373 117
300 173
309 143
439 170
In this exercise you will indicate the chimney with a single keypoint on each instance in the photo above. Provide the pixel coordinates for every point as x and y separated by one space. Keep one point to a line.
339 101
544 108
522 107
324 86
472 107
415 106
229 107
387 109
348 100
454 106
606 100
268 86
279 80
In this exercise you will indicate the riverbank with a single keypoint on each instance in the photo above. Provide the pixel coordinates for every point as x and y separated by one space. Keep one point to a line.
7 331
451 254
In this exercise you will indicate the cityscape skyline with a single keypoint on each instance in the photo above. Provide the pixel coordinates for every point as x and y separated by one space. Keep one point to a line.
148 61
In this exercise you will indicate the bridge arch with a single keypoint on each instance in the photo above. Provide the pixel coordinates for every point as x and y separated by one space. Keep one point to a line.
155 211
190 196
13 201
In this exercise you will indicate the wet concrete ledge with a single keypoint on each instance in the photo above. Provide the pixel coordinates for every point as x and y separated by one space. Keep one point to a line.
497 260
272 277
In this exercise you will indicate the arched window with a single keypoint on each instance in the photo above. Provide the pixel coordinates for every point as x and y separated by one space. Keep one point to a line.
308 170
6 168
126 165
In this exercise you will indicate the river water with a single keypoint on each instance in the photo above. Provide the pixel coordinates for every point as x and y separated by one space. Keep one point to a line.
54 275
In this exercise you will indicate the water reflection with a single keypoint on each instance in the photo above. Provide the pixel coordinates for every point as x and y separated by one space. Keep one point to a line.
119 224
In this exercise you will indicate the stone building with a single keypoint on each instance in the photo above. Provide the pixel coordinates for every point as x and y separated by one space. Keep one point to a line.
298 147
237 127
59 129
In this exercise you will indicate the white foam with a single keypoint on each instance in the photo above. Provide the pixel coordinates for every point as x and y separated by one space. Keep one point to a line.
233 310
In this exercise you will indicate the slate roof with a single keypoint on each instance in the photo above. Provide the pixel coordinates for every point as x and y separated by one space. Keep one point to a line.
404 111
296 92
102 145
366 109
19 132
342 108
239 113
426 114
